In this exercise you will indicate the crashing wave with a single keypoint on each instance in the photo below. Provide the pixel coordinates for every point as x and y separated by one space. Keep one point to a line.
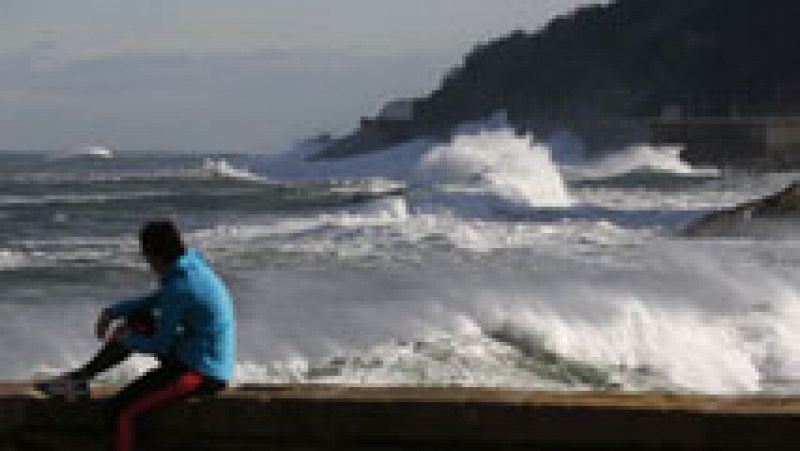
482 170
641 158
471 359
639 349
500 164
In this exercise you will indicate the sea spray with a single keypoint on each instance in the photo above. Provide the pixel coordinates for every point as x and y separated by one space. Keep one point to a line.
650 348
639 348
485 168
222 168
11 259
683 320
507 166
638 158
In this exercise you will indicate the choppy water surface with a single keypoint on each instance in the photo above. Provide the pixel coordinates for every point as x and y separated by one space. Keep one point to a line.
490 261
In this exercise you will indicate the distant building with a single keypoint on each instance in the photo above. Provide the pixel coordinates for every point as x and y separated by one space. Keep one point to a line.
393 124
397 110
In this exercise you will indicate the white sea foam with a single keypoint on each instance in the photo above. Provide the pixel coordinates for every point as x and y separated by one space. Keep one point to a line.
682 317
500 163
640 158
75 252
140 169
389 229
484 169
679 318
89 151
441 282
465 359
222 168
66 198
650 348
629 344
634 346
11 259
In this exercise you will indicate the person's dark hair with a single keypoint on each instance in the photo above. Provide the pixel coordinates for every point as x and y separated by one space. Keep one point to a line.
163 240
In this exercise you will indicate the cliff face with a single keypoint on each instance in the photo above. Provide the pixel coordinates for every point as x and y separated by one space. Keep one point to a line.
600 68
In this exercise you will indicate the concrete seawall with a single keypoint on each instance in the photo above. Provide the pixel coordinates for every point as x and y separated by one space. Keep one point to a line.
342 418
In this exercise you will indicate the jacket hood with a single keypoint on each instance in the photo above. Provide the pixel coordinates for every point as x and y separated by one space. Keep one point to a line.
190 258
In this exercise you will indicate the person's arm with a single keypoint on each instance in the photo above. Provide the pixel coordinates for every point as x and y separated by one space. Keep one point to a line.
121 309
166 328
127 307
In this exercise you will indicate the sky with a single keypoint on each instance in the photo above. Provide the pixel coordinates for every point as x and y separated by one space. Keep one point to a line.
228 75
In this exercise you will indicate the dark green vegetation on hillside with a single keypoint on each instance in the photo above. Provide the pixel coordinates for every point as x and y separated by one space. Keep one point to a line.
629 59
601 70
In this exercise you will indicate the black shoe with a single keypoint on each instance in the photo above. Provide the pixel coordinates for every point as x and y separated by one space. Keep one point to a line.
65 387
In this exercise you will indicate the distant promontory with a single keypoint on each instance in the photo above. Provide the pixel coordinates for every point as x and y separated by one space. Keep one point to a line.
613 74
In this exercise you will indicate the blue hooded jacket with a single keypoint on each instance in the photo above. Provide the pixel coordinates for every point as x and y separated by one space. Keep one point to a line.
196 321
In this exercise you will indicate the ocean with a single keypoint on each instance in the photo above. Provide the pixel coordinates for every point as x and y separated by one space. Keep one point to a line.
491 260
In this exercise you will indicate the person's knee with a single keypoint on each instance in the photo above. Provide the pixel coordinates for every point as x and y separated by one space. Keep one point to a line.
142 323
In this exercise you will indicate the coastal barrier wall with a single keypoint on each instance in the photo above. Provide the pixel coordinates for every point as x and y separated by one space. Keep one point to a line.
771 142
349 418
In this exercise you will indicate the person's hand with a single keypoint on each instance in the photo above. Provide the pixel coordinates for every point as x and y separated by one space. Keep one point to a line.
102 325
120 333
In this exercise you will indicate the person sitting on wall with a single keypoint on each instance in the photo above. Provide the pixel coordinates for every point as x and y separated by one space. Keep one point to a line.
188 324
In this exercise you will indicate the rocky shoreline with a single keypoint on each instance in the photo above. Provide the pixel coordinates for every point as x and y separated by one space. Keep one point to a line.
764 213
